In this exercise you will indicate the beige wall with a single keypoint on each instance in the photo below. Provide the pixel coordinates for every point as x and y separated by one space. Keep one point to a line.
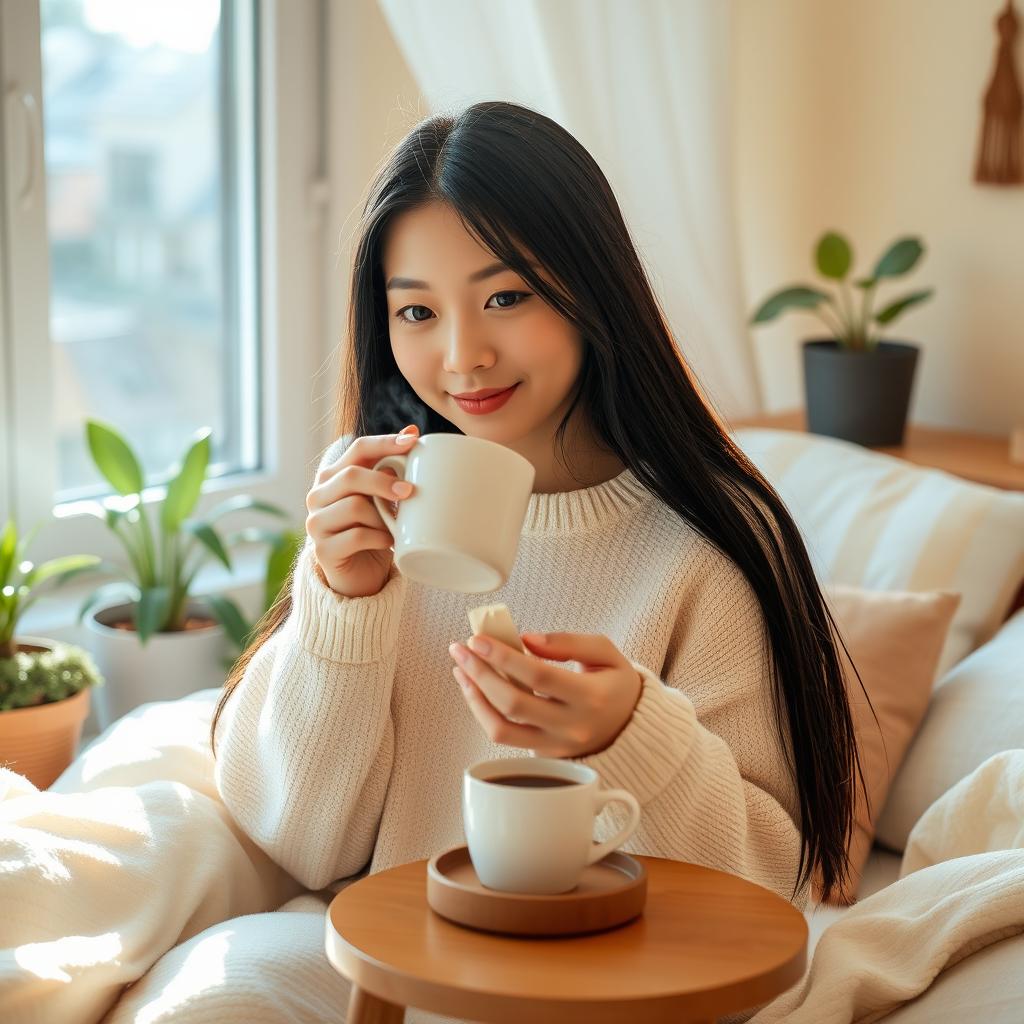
373 99
863 115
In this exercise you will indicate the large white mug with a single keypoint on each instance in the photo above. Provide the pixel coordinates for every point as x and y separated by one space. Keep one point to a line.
530 838
460 528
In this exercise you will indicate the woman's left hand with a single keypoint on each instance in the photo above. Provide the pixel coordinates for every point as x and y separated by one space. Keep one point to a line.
580 713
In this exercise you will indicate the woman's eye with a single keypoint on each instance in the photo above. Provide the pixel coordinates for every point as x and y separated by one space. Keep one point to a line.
414 320
519 296
522 295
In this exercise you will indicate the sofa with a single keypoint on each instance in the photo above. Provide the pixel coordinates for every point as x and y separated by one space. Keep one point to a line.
874 521
870 521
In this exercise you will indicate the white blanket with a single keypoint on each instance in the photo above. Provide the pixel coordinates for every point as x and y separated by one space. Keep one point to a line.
130 853
139 809
961 888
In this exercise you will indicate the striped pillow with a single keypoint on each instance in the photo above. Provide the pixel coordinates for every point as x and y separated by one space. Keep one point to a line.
874 521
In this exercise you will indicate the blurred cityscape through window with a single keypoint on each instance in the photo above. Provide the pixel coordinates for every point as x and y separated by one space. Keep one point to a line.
144 262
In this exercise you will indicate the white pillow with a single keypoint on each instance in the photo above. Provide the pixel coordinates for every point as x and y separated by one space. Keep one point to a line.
874 521
976 711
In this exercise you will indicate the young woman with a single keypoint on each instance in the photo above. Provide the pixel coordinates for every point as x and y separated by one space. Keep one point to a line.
493 257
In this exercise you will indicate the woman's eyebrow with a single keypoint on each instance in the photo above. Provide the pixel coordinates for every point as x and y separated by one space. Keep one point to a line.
477 275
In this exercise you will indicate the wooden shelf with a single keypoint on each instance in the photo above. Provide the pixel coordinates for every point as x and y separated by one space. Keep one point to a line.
983 458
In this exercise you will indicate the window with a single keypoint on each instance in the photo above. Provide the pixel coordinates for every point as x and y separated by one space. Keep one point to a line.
152 171
143 108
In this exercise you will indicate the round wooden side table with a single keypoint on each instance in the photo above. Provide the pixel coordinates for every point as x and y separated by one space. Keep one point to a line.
707 944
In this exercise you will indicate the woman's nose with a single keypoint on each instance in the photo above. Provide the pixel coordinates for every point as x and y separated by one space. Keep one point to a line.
464 353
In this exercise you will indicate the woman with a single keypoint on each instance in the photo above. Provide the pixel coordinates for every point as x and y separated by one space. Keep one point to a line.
493 255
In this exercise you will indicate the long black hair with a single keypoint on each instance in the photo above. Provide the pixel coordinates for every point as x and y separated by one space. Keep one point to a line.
527 190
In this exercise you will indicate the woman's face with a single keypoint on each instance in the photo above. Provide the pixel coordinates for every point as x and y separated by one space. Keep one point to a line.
458 325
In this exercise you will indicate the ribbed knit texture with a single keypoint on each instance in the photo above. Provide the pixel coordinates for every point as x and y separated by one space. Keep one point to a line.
343 747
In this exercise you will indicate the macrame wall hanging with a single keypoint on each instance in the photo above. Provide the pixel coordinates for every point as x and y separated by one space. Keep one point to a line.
1000 160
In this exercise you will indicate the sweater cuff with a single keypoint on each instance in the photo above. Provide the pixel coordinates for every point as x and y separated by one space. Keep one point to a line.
651 749
351 630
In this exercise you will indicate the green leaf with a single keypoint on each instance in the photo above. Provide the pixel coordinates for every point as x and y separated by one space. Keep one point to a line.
892 311
70 565
8 545
239 502
899 258
833 256
151 611
119 591
231 618
279 564
113 458
866 282
183 491
205 533
799 297
24 544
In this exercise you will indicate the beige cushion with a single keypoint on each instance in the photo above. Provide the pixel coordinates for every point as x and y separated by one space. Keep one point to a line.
895 639
976 711
875 521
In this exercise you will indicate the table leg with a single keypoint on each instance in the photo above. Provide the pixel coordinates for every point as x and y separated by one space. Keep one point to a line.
366 1008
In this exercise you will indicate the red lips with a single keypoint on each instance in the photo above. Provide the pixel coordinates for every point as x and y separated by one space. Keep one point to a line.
476 396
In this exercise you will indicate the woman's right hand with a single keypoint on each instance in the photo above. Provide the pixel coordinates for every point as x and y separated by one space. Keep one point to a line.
353 546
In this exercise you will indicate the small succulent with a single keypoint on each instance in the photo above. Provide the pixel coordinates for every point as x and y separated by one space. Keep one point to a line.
29 678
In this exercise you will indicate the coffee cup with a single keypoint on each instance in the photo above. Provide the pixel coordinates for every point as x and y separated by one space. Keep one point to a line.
529 822
460 528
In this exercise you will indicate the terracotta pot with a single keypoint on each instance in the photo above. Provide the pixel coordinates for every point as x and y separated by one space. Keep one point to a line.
39 742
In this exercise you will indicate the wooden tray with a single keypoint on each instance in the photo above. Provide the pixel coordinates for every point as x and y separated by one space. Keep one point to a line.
610 893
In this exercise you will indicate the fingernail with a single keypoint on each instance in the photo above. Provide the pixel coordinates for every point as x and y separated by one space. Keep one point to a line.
480 645
401 489
404 438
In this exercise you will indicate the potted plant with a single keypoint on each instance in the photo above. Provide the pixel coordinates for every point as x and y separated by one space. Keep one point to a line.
857 386
284 547
44 684
151 638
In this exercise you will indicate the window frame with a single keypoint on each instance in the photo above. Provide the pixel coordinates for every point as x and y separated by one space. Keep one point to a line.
288 318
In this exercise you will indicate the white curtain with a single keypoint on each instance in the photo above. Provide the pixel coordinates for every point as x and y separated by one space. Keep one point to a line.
645 86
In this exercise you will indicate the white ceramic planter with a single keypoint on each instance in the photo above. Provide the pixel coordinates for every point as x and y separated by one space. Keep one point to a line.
169 666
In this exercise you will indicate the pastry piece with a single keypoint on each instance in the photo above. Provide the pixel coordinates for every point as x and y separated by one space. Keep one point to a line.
494 620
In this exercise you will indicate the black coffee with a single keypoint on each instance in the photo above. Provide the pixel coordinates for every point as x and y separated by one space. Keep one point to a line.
531 781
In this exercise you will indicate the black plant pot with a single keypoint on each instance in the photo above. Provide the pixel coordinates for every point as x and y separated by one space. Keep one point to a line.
856 395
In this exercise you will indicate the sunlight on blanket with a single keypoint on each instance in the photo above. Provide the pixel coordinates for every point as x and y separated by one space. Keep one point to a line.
203 969
44 959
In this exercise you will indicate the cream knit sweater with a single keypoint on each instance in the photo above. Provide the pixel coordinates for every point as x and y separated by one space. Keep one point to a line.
342 748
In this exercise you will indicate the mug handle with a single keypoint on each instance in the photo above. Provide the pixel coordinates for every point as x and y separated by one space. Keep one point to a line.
397 463
603 799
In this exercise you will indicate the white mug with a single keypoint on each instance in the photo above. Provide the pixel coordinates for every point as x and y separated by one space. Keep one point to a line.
536 840
460 528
